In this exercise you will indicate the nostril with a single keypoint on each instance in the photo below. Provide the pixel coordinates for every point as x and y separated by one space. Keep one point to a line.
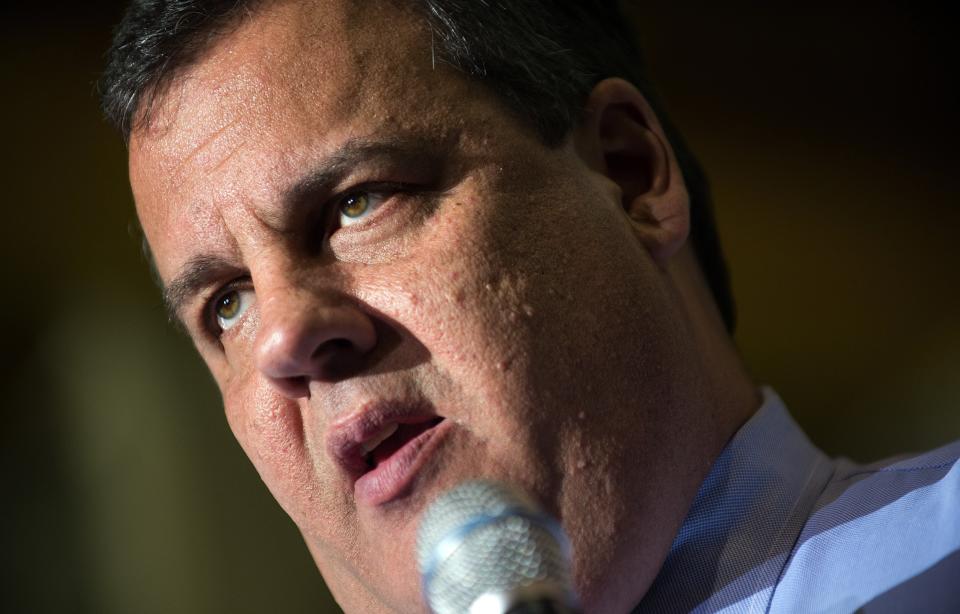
337 359
332 350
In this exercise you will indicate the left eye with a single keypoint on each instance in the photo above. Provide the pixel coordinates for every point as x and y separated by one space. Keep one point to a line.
230 307
356 207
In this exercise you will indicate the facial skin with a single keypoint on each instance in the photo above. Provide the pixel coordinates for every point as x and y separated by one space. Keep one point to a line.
542 301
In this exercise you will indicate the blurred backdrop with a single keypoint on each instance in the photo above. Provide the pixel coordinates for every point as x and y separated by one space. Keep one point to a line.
830 137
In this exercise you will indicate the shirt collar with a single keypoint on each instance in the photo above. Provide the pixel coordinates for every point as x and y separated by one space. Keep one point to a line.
745 518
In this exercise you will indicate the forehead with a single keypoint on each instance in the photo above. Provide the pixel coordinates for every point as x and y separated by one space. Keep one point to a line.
282 86
287 60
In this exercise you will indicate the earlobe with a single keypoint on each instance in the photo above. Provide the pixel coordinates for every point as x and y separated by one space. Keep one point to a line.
621 139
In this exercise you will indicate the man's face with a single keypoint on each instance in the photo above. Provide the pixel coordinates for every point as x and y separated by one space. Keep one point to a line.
364 246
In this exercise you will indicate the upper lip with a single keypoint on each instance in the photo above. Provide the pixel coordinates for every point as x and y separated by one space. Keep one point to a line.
347 438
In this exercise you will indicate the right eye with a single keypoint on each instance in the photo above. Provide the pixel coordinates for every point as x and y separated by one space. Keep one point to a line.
357 207
230 306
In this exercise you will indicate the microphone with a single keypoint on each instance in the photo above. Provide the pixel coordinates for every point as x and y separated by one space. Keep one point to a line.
485 548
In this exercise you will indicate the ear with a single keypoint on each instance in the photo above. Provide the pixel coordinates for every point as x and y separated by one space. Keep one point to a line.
621 139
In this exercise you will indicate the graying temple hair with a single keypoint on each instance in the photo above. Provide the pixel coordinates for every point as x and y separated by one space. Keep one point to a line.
541 57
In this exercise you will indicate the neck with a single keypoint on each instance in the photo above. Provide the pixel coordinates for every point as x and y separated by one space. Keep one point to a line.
733 391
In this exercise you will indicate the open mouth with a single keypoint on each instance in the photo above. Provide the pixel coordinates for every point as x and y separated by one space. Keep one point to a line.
383 447
393 438
393 459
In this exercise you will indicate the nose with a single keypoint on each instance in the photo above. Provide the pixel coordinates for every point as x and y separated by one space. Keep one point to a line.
304 337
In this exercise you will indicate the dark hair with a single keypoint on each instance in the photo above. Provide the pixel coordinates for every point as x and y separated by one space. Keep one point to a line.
542 57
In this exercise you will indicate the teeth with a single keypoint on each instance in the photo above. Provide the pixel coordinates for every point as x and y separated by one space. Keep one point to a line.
380 438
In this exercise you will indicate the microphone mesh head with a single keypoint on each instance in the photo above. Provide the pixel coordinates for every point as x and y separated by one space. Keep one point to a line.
483 537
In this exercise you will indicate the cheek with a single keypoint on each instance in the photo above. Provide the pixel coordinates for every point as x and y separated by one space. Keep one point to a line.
269 428
464 307
467 301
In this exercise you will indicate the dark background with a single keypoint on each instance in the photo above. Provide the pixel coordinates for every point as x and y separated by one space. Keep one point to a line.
829 133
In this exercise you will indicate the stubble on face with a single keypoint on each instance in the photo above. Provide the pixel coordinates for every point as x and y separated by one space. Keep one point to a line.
510 294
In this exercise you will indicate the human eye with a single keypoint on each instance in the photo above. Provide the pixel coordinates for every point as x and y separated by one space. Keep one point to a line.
228 307
356 207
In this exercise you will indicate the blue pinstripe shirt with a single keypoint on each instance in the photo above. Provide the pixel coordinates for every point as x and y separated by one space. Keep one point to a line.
779 527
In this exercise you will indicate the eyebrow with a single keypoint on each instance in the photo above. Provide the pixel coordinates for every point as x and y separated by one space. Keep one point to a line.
322 177
198 273
202 270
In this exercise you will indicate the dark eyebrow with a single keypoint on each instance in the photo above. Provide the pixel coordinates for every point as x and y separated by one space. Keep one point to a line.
198 273
322 177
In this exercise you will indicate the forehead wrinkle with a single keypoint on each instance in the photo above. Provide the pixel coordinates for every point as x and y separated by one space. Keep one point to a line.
208 159
211 238
241 74
323 61
222 94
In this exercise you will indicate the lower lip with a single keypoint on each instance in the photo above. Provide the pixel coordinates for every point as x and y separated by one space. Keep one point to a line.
393 478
